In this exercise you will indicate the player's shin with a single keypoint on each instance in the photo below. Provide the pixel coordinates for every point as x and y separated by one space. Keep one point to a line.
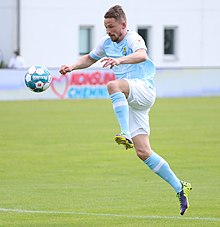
120 106
158 165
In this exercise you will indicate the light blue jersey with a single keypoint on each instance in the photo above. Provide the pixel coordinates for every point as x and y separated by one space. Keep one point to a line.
131 43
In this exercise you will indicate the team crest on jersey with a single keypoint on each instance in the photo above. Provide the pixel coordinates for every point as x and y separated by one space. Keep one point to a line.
124 52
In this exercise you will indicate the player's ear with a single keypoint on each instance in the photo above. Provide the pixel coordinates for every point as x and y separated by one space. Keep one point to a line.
123 24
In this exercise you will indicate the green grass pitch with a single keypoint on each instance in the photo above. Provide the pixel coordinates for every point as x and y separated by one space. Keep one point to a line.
59 165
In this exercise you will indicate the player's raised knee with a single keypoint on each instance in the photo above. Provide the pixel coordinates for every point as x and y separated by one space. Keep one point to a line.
112 87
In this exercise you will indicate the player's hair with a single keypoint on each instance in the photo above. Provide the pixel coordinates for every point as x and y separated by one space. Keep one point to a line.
116 12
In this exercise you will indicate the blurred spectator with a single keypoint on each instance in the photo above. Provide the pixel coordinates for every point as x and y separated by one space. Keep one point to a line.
17 61
1 59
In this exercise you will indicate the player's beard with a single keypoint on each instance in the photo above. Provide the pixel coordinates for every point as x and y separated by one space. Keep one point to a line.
116 39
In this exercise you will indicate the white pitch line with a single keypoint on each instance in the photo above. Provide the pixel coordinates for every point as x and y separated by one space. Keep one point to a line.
8 210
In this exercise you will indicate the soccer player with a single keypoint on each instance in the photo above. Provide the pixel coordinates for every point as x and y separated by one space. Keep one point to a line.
132 93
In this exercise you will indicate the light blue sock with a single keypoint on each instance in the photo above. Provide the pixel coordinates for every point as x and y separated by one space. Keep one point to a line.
120 106
158 165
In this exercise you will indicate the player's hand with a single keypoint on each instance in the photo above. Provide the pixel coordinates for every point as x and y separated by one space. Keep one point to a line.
110 62
65 69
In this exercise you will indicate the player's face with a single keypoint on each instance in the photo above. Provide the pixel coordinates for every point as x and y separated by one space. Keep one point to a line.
115 29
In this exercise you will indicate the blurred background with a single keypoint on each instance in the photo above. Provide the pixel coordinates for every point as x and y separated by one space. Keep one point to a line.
182 38
50 32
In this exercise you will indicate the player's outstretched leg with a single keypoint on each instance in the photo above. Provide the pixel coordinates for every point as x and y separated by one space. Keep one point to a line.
183 197
122 139
158 165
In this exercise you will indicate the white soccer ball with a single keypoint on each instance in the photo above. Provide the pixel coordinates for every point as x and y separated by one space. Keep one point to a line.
38 78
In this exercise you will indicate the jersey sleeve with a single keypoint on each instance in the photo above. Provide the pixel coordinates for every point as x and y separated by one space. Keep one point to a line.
136 42
98 52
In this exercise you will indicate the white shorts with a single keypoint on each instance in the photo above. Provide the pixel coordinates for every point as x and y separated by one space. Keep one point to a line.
141 98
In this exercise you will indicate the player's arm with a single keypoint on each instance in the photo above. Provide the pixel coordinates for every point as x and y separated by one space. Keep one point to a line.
138 56
84 62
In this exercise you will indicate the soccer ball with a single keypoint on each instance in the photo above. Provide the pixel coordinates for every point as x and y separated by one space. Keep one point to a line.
38 78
